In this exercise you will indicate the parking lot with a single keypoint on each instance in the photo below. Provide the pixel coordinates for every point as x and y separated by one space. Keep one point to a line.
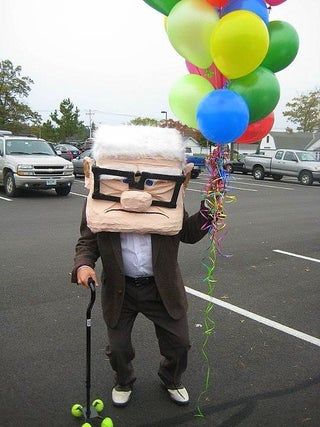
265 350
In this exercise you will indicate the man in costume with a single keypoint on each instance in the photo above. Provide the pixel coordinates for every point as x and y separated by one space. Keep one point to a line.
134 220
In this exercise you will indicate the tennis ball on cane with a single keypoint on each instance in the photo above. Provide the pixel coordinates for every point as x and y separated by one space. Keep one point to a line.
107 422
76 410
98 405
86 425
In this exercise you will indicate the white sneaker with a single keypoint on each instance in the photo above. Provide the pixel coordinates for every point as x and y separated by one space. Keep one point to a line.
179 395
121 395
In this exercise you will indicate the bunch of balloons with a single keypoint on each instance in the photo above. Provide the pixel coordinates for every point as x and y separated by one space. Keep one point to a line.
232 51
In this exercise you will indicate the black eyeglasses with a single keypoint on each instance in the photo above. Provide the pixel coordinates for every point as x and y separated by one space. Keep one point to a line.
136 181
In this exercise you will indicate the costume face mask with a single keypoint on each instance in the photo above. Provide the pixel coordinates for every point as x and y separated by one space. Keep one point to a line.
136 194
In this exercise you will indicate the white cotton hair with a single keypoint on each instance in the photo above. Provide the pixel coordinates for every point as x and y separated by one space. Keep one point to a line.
119 142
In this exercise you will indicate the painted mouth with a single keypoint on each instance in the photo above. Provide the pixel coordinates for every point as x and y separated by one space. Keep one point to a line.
143 213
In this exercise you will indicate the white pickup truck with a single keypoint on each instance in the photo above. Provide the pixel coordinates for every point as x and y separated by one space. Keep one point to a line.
297 163
32 163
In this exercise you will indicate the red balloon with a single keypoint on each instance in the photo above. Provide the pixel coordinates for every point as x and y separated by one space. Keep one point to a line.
257 130
212 74
275 2
218 3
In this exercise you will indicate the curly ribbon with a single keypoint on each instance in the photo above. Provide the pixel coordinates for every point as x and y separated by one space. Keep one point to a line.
215 194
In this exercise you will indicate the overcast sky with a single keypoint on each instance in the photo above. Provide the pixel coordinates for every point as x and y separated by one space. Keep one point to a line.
114 56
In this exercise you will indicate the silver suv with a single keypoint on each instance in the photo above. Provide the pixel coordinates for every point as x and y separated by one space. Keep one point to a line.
32 163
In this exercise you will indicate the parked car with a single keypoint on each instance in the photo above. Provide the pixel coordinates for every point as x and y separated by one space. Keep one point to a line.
199 165
31 163
300 164
67 151
78 162
235 166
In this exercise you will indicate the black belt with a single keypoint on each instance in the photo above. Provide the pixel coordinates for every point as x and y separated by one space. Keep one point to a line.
139 281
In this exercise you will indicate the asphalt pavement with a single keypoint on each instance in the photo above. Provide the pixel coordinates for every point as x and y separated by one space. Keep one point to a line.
264 353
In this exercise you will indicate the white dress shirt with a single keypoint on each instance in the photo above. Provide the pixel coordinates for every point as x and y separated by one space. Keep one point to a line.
136 254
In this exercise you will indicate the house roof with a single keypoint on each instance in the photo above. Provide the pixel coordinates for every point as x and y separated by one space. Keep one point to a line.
286 140
294 140
314 144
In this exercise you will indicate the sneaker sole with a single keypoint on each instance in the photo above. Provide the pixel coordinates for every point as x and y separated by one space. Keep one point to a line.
172 399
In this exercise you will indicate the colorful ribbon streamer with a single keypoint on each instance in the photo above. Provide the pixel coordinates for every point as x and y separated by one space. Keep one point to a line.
215 194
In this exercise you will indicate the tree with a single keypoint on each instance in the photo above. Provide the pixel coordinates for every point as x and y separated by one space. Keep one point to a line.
185 131
144 121
304 111
64 125
15 115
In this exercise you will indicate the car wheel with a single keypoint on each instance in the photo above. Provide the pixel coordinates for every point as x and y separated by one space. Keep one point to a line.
258 173
229 168
10 185
277 177
306 178
63 191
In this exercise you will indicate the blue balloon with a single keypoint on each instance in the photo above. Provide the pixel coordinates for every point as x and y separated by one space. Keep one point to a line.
258 7
222 116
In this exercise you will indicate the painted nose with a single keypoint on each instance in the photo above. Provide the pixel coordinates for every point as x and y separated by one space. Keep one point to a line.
136 201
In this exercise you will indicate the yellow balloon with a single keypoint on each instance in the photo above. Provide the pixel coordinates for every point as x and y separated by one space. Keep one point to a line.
239 43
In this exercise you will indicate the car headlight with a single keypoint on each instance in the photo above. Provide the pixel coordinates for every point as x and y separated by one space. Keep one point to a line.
25 170
69 167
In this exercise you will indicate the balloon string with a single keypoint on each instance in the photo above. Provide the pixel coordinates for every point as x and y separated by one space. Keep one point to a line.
215 194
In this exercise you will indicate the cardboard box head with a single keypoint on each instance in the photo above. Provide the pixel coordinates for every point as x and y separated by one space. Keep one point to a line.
135 180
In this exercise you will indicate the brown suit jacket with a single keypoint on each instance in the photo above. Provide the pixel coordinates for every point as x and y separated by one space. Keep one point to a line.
166 270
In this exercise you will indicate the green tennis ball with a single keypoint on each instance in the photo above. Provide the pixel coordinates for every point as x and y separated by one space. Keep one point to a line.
98 405
86 425
76 410
107 422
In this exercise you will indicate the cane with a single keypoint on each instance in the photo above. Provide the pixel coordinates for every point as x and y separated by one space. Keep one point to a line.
90 412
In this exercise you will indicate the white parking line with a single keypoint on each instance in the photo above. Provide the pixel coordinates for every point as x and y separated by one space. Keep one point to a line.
296 255
232 187
77 194
197 191
5 198
256 317
264 185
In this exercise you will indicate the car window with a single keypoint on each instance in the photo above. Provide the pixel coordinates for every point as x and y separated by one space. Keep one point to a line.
289 155
28 147
279 155
307 157
85 154
1 147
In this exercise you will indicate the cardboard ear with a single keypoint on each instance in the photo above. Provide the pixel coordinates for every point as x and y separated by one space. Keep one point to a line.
87 162
187 173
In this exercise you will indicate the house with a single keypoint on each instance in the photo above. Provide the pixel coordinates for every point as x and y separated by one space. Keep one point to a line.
195 146
273 141
314 145
276 140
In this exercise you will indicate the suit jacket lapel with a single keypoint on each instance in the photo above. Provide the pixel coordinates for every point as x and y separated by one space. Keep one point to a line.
116 246
156 241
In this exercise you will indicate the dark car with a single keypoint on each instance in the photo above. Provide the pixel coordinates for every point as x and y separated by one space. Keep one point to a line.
235 166
78 162
67 151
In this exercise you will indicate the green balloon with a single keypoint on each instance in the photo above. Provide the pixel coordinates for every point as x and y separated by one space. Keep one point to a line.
260 90
190 26
186 95
283 48
162 6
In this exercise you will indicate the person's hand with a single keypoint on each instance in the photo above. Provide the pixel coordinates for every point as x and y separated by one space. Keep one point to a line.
84 273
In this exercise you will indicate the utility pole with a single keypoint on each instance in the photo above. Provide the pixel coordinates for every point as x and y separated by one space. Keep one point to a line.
166 115
90 114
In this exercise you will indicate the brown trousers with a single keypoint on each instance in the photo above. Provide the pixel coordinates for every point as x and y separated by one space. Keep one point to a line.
173 336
